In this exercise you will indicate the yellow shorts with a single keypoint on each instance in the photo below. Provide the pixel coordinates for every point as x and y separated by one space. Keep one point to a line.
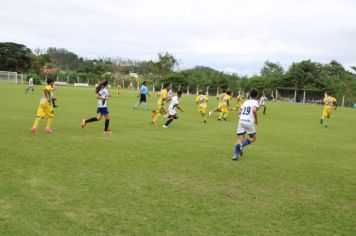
202 109
45 110
224 109
327 112
160 109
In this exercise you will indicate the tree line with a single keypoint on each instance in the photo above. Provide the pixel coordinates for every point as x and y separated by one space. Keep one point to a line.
63 64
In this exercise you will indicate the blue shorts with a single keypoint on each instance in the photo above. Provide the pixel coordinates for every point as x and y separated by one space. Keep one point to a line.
102 110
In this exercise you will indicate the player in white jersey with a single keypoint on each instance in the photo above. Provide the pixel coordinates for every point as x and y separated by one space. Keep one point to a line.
172 113
247 122
102 95
262 103
30 85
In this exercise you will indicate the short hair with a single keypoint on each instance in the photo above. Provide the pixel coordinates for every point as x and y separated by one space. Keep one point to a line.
254 93
224 91
144 82
179 92
49 81
201 92
228 92
166 85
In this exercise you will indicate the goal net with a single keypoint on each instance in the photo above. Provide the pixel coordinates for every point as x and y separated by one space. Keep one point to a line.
9 77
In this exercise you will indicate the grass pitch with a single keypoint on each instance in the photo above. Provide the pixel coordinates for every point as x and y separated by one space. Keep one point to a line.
299 178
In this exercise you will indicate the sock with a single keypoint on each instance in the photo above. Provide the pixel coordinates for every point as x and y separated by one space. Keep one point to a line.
145 106
37 121
264 110
237 149
107 121
91 120
49 122
245 143
156 116
220 115
225 115
326 121
54 102
168 122
137 104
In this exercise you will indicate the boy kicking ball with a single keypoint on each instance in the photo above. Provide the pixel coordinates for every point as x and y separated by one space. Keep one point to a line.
172 113
247 122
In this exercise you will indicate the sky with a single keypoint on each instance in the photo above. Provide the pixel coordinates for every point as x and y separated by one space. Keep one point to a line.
234 36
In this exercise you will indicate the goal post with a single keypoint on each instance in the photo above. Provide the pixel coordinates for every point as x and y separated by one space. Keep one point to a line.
9 77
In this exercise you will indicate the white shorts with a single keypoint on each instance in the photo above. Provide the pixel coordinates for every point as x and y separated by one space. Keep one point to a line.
172 112
248 128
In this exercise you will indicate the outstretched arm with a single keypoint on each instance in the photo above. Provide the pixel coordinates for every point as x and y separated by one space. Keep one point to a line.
254 110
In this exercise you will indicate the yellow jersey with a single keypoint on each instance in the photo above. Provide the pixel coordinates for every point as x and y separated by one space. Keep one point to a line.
49 90
226 100
329 102
239 101
162 96
202 100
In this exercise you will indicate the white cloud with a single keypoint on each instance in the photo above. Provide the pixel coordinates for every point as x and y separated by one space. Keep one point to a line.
229 35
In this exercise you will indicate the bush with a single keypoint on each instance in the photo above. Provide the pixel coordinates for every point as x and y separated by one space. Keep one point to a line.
36 78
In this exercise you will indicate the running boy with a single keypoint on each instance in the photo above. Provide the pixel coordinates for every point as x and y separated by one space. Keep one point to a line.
30 85
220 98
247 122
162 98
172 113
329 103
102 95
225 106
45 108
262 103
202 102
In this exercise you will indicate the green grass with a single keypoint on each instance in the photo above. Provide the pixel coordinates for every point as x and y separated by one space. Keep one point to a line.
299 178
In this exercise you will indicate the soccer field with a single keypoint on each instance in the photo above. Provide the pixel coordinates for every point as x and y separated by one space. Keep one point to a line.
299 178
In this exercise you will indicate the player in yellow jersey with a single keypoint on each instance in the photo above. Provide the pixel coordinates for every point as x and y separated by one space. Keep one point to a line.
225 105
220 99
118 88
329 103
202 102
239 100
45 108
162 98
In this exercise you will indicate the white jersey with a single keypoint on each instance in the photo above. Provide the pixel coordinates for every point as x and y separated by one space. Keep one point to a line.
30 82
172 105
246 115
263 101
103 93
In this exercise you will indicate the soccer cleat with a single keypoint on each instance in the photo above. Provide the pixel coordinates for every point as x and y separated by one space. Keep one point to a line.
48 130
210 112
108 132
165 126
34 129
240 152
235 157
84 123
153 123
326 126
204 121
225 119
321 121
219 119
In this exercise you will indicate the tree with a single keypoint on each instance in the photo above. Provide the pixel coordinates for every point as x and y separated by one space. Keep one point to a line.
271 69
63 58
165 64
14 57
